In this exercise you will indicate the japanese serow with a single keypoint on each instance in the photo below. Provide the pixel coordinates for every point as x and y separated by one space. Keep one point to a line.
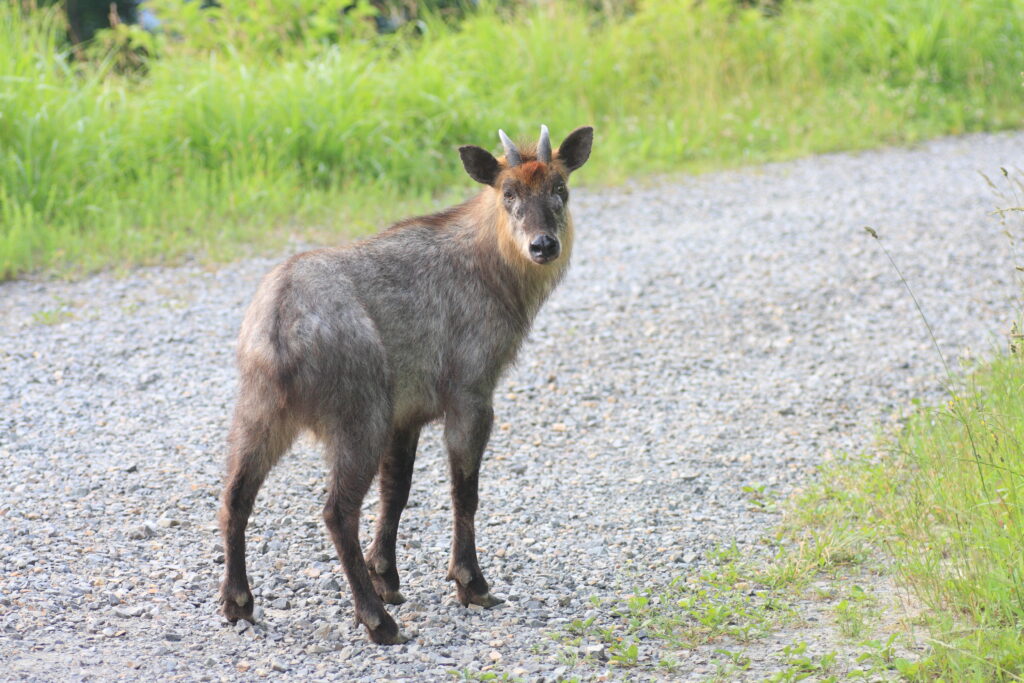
363 345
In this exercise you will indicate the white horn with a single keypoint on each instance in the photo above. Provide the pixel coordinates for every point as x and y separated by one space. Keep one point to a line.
544 146
511 152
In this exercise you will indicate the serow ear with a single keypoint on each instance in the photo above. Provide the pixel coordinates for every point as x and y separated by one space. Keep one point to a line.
575 148
480 164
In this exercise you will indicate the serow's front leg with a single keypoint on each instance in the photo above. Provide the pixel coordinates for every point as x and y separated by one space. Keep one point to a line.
466 430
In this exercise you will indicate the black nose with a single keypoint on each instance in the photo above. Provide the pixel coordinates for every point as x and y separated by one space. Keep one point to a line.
544 248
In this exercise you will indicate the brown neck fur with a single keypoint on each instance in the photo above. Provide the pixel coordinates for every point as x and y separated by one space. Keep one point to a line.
522 284
480 225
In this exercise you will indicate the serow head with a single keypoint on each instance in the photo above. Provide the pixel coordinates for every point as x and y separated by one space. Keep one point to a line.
531 186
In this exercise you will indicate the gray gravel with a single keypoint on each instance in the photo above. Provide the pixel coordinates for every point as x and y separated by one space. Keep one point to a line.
715 332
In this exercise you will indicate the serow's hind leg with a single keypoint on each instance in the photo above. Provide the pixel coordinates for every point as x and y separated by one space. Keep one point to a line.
466 431
395 479
353 465
255 445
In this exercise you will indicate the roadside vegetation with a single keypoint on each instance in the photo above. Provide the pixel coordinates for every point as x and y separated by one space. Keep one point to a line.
234 130
904 564
943 504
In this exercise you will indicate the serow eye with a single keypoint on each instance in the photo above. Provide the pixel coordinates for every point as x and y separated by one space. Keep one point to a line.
509 196
559 188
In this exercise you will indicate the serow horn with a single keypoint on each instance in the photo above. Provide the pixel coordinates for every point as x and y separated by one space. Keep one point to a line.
511 152
544 146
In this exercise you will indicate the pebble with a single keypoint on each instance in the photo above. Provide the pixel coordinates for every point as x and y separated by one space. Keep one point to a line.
714 333
132 611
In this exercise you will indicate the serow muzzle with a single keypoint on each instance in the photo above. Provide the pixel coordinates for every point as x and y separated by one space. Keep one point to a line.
544 248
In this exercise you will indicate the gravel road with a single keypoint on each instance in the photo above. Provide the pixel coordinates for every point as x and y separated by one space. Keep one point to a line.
715 332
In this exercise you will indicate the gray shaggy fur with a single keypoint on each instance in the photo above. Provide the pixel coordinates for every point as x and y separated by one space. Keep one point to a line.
364 345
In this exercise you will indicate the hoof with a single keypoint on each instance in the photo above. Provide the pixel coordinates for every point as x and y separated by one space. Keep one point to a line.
385 580
388 639
382 587
485 600
233 611
386 633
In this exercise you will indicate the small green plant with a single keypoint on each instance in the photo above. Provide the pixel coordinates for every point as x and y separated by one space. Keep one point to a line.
624 654
51 316
801 666
850 619
580 626
759 497
855 613
668 664
738 660
879 660
725 554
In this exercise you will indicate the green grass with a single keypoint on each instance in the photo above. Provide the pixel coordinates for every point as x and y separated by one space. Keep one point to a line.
216 150
944 505
732 603
855 613
744 607
943 501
